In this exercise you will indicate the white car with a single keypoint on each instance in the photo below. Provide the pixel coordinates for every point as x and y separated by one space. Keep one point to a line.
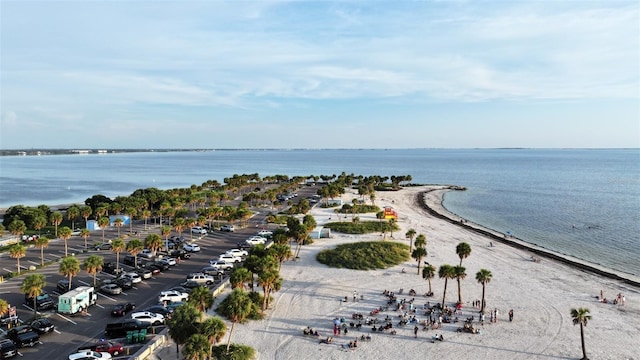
228 258
228 228
199 230
191 247
265 233
172 296
135 278
148 317
88 355
238 252
168 260
220 265
146 253
256 240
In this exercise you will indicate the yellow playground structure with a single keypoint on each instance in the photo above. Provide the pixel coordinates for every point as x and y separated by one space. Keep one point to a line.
389 213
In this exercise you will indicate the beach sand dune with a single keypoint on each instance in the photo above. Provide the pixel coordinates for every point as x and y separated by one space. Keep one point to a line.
541 295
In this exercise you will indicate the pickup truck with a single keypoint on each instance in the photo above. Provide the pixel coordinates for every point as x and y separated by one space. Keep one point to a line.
42 301
120 329
23 336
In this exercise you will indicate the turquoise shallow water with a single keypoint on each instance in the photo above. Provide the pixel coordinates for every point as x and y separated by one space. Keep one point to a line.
584 203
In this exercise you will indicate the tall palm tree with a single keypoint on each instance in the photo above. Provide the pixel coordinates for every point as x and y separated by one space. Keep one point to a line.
42 242
428 273
103 222
72 214
214 329
69 267
445 272
65 234
118 246
131 211
17 251
4 307
239 277
196 347
93 265
118 222
134 247
153 242
33 286
17 228
580 317
281 252
420 251
191 222
463 250
183 323
56 219
483 277
85 233
236 309
179 225
165 230
201 298
146 214
86 211
269 280
460 272
410 234
39 222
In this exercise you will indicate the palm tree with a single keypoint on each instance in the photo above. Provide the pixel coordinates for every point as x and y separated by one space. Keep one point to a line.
86 211
214 329
153 242
420 251
69 267
32 286
165 230
93 265
17 251
118 246
56 219
197 347
428 273
201 298
85 233
239 277
103 222
483 277
42 242
459 274
270 280
65 234
445 272
4 307
17 228
39 222
463 250
183 323
236 309
580 317
410 234
146 214
179 225
134 247
72 214
282 252
118 222
131 211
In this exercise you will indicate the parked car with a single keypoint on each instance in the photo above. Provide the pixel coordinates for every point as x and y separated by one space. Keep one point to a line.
180 253
63 286
129 260
124 282
103 246
166 261
159 309
90 355
135 278
174 305
265 233
104 346
256 240
228 258
191 247
228 228
238 253
28 238
42 301
111 289
181 289
160 264
154 268
212 271
42 326
7 349
110 268
122 309
144 273
23 335
190 284
201 278
198 230
148 317
220 264
172 296
146 253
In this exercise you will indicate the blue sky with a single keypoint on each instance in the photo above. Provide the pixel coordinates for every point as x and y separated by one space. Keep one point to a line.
319 74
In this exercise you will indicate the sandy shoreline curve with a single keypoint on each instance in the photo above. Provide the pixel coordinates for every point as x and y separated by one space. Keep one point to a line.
541 295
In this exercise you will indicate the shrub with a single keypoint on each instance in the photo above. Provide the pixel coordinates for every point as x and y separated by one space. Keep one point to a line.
365 255
362 227
236 352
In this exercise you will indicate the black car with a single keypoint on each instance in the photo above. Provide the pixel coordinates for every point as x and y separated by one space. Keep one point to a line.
110 268
129 260
182 254
163 266
159 309
23 336
181 289
122 309
123 283
42 326
63 286
42 301
7 349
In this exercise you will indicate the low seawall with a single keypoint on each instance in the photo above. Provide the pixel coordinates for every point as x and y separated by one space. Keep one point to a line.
431 201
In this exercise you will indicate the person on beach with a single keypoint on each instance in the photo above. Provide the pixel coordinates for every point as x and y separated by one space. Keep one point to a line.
511 315
415 332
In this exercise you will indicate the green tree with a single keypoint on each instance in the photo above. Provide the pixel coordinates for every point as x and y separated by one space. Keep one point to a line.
65 234
4 307
118 246
460 272
17 228
69 267
85 233
483 277
196 348
39 222
93 265
201 298
463 250
183 323
410 234
428 273
214 329
103 223
580 317
86 211
153 242
236 309
281 252
33 286
17 251
134 247
270 281
445 272
146 214
72 214
239 277
420 251
165 230
42 243
56 219
118 222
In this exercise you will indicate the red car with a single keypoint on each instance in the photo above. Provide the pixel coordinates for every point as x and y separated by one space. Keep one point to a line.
113 348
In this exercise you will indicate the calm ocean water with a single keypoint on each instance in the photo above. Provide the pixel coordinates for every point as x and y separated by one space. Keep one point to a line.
585 203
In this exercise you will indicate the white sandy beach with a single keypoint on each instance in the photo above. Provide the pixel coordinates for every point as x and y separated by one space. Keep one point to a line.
541 295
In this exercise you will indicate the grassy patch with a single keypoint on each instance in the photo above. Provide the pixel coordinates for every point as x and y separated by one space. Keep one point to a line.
365 255
236 352
362 227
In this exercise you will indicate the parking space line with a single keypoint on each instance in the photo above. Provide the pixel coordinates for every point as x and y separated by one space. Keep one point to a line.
69 320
